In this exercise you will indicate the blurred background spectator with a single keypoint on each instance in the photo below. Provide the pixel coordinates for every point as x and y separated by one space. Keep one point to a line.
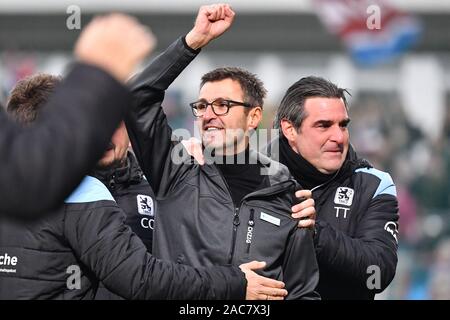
398 75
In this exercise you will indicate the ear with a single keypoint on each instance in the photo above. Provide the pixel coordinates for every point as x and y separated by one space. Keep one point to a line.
288 130
254 117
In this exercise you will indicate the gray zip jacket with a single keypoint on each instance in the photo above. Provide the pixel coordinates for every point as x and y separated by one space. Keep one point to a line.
197 222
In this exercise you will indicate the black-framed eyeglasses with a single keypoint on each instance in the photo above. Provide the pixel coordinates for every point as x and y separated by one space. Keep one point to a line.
219 106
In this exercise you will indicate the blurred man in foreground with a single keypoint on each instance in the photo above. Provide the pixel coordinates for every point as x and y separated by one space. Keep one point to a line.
65 143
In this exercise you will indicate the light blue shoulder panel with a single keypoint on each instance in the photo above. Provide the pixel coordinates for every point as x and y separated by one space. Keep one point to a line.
386 185
89 190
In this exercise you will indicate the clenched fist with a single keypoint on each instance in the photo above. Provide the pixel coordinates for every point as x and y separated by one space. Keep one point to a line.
211 22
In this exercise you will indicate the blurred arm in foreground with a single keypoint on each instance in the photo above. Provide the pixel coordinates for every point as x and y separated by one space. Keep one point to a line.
67 140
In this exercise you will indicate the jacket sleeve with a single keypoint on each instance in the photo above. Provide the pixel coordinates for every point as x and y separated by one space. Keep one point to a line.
62 145
372 245
300 269
119 259
150 134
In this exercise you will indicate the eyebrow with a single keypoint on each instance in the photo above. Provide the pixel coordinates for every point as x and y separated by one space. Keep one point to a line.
328 123
345 122
223 98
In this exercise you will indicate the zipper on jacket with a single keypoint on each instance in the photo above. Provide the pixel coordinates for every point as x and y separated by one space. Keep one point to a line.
111 182
268 191
236 223
250 229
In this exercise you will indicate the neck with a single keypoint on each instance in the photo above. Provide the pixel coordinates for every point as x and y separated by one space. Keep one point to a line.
232 155
234 149
304 172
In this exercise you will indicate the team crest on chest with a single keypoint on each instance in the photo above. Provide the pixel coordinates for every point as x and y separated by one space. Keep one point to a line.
145 205
344 196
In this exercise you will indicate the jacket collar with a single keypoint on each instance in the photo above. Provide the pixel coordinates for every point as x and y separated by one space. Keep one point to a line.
275 171
129 173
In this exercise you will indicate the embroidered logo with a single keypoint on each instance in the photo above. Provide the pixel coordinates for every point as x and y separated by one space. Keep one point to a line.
344 196
145 205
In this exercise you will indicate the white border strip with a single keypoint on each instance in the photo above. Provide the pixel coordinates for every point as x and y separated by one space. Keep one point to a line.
185 6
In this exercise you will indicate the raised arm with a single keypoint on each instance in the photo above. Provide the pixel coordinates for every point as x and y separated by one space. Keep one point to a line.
147 125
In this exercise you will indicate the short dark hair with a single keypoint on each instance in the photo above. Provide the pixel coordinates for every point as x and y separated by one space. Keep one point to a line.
292 106
252 87
29 95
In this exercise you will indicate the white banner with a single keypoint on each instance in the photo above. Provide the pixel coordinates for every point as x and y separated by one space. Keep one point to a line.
180 6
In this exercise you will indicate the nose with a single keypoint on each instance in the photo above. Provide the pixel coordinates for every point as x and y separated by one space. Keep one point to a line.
209 114
338 134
